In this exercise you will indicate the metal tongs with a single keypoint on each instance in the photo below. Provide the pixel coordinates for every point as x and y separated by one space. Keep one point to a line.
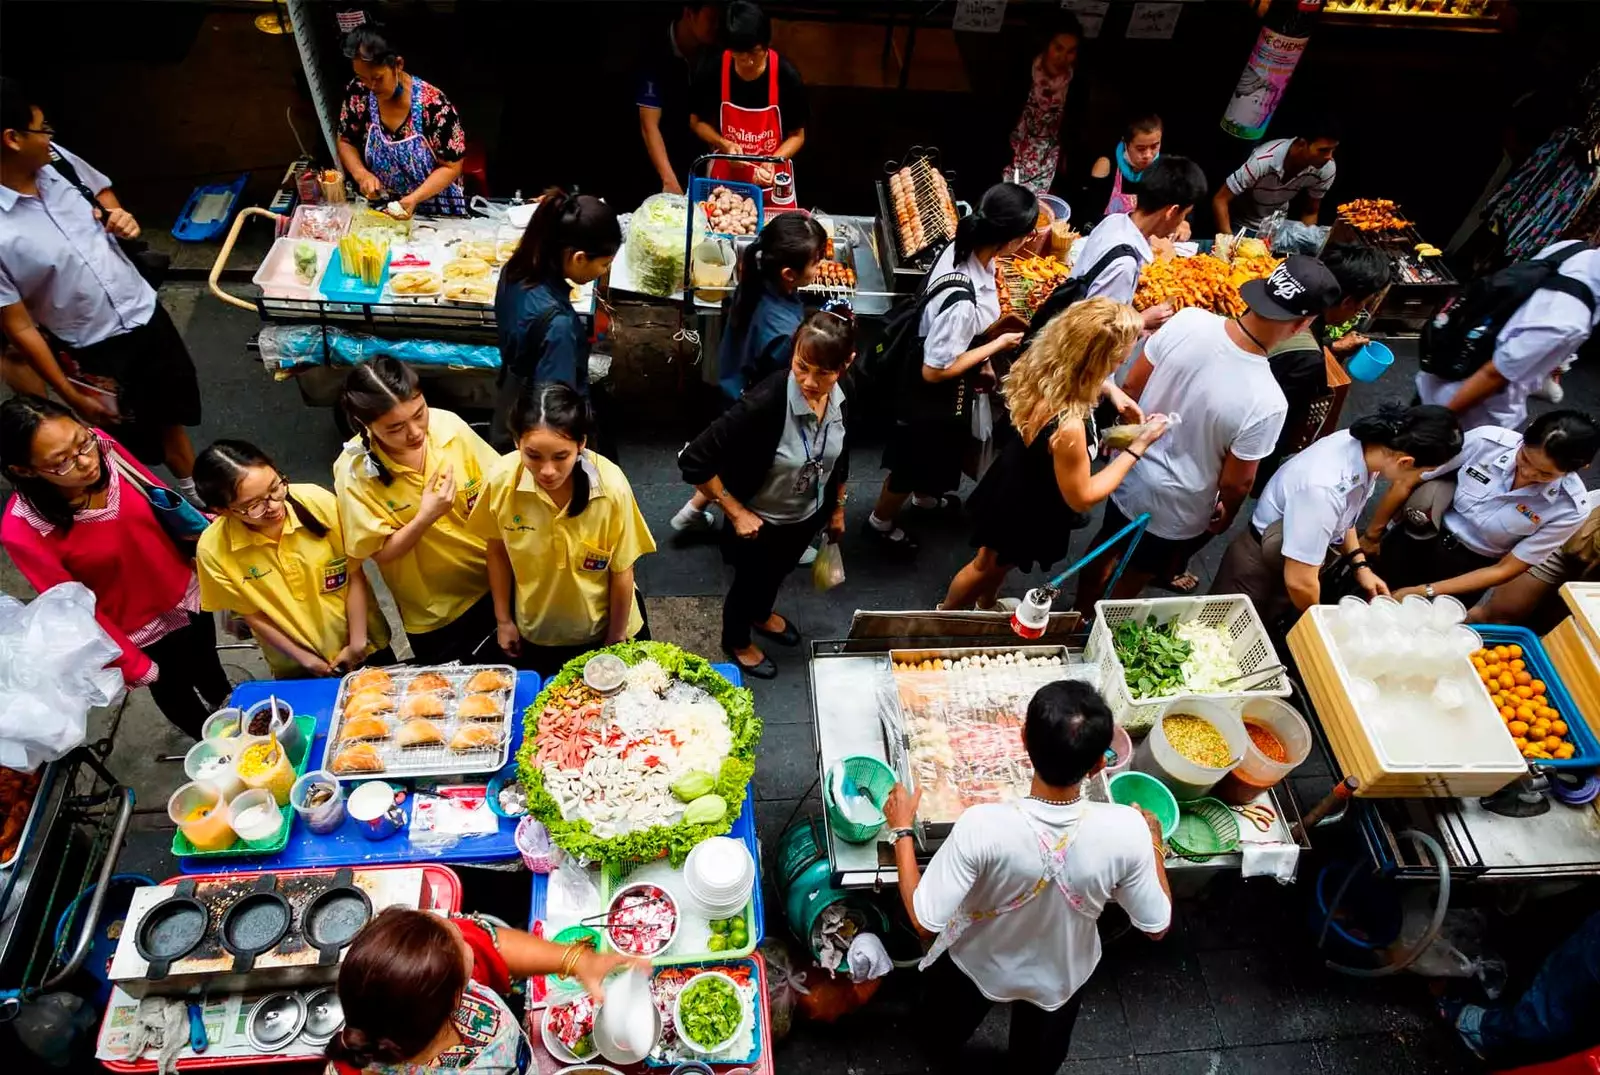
605 921
1261 674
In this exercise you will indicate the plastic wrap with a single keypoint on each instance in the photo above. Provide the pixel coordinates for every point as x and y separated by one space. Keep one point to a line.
54 661
656 234
288 347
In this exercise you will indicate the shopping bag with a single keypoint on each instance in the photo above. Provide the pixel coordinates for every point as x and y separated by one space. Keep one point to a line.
827 570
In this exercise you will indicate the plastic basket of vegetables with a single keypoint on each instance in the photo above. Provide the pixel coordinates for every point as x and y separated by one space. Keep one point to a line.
1150 652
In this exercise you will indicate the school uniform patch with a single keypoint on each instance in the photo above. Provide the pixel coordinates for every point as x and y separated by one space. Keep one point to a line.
335 574
594 559
254 573
1474 472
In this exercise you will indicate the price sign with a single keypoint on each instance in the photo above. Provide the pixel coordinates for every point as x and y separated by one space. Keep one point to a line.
1151 20
1091 14
980 16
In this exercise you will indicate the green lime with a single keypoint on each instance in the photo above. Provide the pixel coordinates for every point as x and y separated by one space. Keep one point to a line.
717 943
738 936
719 925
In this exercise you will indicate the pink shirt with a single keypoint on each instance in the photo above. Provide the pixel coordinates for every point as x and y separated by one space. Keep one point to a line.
143 586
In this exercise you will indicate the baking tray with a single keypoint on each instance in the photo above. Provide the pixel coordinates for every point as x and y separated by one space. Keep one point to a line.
182 848
27 825
407 762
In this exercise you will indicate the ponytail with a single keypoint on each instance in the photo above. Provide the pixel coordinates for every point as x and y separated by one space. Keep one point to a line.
372 390
789 241
1430 435
580 223
557 407
1006 212
219 469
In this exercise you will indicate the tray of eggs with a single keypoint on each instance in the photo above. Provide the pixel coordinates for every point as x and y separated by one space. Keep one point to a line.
443 721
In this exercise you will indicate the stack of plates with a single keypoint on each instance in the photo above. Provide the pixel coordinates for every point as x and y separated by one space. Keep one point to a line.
720 874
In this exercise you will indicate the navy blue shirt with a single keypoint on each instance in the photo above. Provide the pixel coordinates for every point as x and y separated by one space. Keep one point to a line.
765 346
542 338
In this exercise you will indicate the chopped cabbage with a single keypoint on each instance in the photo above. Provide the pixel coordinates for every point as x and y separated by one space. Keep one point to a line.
1210 657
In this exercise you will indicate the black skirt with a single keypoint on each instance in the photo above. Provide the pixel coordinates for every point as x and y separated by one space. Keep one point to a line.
1017 510
924 455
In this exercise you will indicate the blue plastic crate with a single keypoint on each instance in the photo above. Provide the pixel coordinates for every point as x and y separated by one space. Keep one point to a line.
338 286
700 190
188 230
1587 755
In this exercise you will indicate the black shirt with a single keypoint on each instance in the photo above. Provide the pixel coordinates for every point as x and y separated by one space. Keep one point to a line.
664 78
705 95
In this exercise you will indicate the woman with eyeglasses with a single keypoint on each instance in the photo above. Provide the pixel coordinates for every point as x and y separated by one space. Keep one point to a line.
275 556
75 517
776 463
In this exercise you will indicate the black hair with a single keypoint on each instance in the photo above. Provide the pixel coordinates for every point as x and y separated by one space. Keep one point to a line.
827 336
1325 128
789 241
1141 123
1570 438
1061 22
1429 434
557 407
1068 730
20 419
16 107
1171 180
369 43
745 26
218 470
371 390
1360 270
1005 212
577 222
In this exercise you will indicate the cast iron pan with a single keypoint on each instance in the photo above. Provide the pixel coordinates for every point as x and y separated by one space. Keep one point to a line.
335 917
255 923
170 930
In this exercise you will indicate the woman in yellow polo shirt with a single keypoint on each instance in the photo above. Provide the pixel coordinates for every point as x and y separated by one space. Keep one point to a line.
406 484
275 555
564 533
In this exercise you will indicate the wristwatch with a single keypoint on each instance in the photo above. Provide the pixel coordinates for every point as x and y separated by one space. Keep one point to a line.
895 835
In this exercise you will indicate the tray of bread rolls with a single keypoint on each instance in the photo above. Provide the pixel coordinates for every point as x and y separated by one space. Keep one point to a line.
444 720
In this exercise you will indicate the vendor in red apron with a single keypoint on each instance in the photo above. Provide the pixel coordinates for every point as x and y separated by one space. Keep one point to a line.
400 138
1012 898
748 100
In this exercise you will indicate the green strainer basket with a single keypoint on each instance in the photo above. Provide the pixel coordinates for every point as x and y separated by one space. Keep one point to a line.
875 780
1206 828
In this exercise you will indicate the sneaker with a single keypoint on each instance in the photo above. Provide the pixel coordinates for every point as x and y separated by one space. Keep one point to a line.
689 520
1550 390
948 504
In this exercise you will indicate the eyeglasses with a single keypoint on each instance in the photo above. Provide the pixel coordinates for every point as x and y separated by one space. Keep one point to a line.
43 128
256 508
72 462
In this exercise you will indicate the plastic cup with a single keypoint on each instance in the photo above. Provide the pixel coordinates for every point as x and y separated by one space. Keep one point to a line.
1447 612
1416 613
1184 778
276 776
223 724
199 810
282 723
1256 772
211 761
255 816
326 815
1463 640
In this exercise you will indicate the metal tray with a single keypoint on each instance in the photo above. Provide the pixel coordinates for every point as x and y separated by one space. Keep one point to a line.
406 762
39 795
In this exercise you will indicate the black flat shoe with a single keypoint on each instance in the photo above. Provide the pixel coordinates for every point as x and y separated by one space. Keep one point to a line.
764 670
903 546
789 636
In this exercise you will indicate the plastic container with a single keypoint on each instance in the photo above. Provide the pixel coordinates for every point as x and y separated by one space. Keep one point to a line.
325 816
1059 209
223 724
255 816
1586 756
1121 751
1146 792
211 761
875 779
282 724
713 1047
1184 778
201 812
1206 828
1371 362
1257 772
277 777
700 189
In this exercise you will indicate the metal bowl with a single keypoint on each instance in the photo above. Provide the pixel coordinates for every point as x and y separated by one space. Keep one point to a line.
646 888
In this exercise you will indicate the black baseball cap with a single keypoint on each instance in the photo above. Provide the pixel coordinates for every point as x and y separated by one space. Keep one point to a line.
1301 286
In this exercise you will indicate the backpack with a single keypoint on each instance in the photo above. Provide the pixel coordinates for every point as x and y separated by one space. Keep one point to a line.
1074 290
1457 342
898 353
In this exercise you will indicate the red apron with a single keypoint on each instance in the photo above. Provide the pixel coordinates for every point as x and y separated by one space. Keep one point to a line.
756 131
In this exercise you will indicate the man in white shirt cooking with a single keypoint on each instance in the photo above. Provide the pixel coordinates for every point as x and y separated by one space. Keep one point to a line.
1012 899
1273 175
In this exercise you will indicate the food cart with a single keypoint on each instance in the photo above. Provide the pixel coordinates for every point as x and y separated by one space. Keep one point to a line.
1423 284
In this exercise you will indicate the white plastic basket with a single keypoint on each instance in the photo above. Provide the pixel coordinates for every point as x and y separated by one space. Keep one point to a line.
1232 612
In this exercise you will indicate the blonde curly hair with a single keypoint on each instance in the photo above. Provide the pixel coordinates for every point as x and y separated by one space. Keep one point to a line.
1060 374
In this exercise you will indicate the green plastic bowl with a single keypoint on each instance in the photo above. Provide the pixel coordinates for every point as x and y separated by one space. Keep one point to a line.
1137 789
874 778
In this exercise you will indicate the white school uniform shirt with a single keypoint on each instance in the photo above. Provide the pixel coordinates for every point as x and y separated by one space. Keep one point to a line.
1120 279
1229 402
1263 186
1490 518
1318 495
64 266
1546 329
1045 950
947 334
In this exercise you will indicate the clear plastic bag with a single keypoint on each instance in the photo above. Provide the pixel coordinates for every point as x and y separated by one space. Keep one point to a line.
54 666
827 570
657 234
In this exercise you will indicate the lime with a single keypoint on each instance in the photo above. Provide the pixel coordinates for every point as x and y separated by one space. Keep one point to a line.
738 937
719 925
717 943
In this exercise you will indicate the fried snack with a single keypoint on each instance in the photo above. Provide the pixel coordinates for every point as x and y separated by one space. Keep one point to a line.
360 758
484 250
363 728
504 249
490 679
414 283
428 681
480 707
1025 282
429 706
1204 281
419 733
475 737
471 291
369 703
1373 214
468 268
370 679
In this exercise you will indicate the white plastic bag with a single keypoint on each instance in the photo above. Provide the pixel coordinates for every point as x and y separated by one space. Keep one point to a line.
54 660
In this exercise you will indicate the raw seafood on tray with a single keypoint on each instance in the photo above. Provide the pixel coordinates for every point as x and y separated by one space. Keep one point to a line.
421 721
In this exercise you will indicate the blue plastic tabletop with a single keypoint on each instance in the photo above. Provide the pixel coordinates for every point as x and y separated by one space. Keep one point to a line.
346 846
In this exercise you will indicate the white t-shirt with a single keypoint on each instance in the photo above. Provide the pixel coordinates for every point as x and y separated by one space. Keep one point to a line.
1546 329
947 331
1229 402
1319 495
1120 279
1260 187
1043 951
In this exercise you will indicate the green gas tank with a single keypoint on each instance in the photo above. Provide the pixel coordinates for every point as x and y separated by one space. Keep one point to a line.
806 888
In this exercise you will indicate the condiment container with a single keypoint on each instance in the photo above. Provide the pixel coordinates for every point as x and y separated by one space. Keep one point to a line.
1184 778
200 811
1257 772
256 816
282 723
372 808
223 724
260 766
319 800
211 761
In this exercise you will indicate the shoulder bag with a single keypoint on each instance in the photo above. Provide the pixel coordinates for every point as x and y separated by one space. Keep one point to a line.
150 264
183 522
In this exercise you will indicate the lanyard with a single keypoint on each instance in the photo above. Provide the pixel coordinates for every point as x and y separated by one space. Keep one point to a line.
1252 335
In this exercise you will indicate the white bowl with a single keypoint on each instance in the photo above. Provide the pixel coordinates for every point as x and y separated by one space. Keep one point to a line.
718 869
747 1015
559 1050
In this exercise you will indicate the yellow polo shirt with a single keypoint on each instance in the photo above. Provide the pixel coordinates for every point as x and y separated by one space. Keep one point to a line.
563 565
446 572
298 580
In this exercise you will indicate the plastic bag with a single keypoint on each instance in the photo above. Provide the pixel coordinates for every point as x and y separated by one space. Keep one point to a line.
827 570
657 236
1293 237
54 660
784 986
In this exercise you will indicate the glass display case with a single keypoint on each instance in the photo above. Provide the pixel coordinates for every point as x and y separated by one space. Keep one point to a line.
1479 15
